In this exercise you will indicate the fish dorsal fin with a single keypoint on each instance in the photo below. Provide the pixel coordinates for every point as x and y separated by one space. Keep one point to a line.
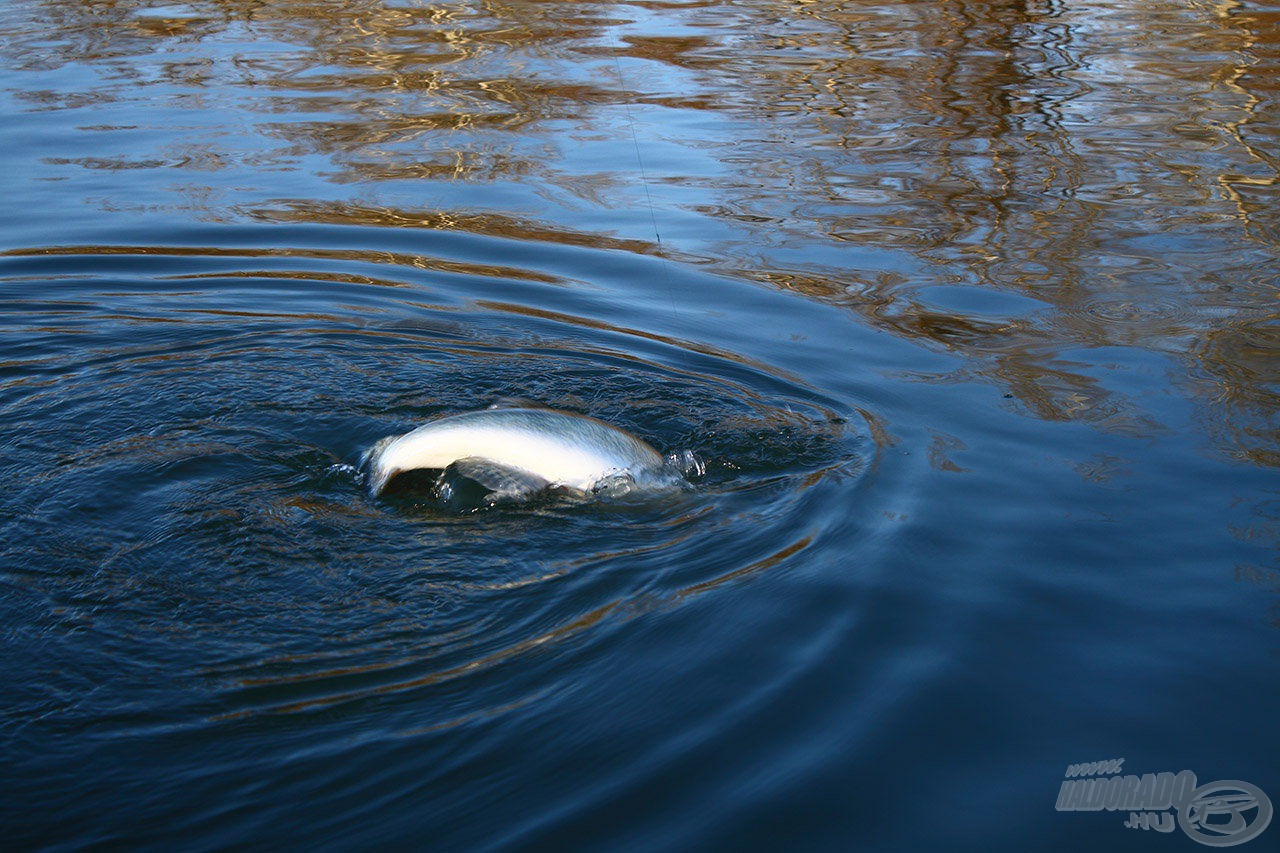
505 481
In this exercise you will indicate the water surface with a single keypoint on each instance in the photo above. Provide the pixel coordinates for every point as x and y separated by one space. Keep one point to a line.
968 308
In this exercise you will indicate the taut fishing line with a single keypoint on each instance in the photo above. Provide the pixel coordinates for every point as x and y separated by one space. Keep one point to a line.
644 182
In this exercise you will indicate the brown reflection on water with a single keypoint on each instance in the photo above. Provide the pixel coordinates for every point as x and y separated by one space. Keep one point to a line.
1107 170
488 224
1114 162
1240 373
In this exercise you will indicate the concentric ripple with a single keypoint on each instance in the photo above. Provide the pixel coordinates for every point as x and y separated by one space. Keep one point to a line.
182 428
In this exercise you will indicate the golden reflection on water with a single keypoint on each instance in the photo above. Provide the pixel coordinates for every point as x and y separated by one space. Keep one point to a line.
1115 162
489 224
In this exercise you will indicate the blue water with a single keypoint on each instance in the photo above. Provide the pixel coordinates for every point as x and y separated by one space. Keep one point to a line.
968 308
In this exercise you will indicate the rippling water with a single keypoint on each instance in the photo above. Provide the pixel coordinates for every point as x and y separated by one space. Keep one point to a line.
969 308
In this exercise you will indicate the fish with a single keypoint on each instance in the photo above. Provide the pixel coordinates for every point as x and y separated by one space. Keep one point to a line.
516 453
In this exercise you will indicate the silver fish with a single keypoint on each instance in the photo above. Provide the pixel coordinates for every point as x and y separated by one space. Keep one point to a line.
517 452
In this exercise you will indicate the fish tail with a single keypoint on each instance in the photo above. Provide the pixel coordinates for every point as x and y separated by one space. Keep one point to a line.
372 463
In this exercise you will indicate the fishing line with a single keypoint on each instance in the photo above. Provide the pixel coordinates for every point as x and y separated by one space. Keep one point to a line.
635 140
644 182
